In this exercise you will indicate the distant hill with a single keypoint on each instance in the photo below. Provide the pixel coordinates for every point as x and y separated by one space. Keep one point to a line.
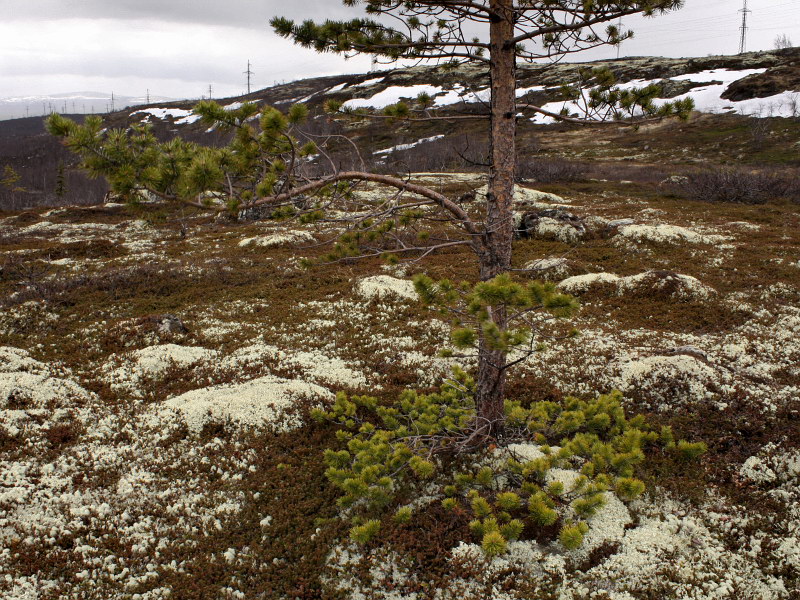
753 84
70 102
734 91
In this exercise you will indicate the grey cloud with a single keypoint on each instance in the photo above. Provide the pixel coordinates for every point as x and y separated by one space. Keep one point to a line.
250 14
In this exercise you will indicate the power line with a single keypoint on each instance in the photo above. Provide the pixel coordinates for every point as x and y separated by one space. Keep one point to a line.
743 41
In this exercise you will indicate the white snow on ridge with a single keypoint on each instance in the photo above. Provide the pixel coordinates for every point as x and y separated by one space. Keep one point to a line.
707 98
337 88
365 83
180 115
369 82
536 88
725 76
461 94
409 146
393 95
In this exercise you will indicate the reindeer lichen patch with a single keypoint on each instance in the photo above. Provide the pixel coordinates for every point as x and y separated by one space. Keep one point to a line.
668 234
277 239
379 286
528 197
254 403
26 383
691 380
675 285
128 370
580 283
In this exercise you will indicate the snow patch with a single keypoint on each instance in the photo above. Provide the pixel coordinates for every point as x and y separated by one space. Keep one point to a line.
392 95
409 146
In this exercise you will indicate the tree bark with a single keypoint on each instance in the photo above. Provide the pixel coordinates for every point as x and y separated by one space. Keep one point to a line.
496 256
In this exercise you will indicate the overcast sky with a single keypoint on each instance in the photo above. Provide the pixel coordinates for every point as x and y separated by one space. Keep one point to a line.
178 47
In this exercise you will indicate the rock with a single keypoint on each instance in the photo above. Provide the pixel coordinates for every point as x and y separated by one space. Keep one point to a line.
551 222
675 180
692 351
620 223
763 85
666 284
277 239
256 213
170 324
653 284
524 196
548 268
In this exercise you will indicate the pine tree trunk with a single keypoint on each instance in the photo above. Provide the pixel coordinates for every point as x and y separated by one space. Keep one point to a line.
496 257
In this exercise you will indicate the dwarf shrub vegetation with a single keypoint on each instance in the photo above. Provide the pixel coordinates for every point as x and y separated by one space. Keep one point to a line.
428 444
411 448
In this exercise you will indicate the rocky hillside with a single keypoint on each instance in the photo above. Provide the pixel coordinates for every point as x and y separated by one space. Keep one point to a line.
770 78
738 91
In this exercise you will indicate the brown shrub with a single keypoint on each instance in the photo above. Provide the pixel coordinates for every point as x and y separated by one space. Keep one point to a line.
63 434
551 170
740 186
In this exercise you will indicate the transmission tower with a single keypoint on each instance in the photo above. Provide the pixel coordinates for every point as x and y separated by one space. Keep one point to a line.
249 73
743 41
210 91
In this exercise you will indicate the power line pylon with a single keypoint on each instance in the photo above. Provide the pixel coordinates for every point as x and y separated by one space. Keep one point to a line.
248 73
743 40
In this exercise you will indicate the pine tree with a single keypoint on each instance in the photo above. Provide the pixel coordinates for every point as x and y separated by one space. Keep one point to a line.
517 30
264 166
10 179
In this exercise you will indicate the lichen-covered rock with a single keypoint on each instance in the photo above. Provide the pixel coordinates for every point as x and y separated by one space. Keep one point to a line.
549 269
671 381
654 283
551 223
